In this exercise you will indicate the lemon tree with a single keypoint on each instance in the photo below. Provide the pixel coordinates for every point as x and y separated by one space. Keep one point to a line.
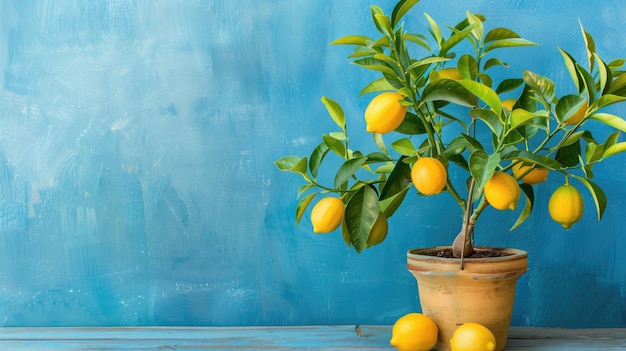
433 96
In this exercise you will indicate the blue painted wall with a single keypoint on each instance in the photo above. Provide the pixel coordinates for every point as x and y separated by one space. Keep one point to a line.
137 184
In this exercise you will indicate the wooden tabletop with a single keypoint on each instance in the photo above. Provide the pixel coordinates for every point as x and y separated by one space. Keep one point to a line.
344 337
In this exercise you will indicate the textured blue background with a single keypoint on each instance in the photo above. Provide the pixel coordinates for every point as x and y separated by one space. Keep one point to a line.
137 184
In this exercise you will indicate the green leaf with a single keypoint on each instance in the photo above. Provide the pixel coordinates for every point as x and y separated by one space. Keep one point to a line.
293 164
378 85
507 43
610 120
593 152
362 51
609 99
347 170
570 65
393 80
618 86
419 40
528 205
361 213
478 30
317 156
335 145
542 86
604 75
377 157
614 149
411 125
399 179
434 29
590 84
454 39
383 24
382 42
387 59
401 8
456 146
490 118
494 62
567 106
352 40
378 140
335 111
404 147
473 144
500 34
532 158
459 160
389 205
599 198
520 117
375 65
302 205
482 166
617 63
450 91
427 61
589 45
484 93
509 85
568 155
288 163
468 67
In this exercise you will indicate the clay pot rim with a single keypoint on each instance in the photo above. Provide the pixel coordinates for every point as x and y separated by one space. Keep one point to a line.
503 267
514 254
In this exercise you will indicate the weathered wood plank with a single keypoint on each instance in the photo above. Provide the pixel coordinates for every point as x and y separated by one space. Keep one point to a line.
343 337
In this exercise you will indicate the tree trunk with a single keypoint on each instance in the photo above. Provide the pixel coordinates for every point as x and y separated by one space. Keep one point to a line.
463 245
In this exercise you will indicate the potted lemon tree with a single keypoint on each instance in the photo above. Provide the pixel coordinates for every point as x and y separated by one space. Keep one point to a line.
436 111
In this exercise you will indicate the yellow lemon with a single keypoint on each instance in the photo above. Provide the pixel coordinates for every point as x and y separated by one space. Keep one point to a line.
429 175
378 232
385 113
502 191
578 115
327 214
508 104
535 176
472 337
414 332
447 73
566 205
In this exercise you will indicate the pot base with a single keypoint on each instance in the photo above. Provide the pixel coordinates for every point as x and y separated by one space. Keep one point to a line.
483 292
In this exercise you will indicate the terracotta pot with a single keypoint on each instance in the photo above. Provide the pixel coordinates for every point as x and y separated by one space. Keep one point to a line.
483 292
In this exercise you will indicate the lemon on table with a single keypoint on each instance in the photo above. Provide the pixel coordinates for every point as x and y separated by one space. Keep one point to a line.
472 337
502 191
566 205
327 214
385 113
414 332
429 175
